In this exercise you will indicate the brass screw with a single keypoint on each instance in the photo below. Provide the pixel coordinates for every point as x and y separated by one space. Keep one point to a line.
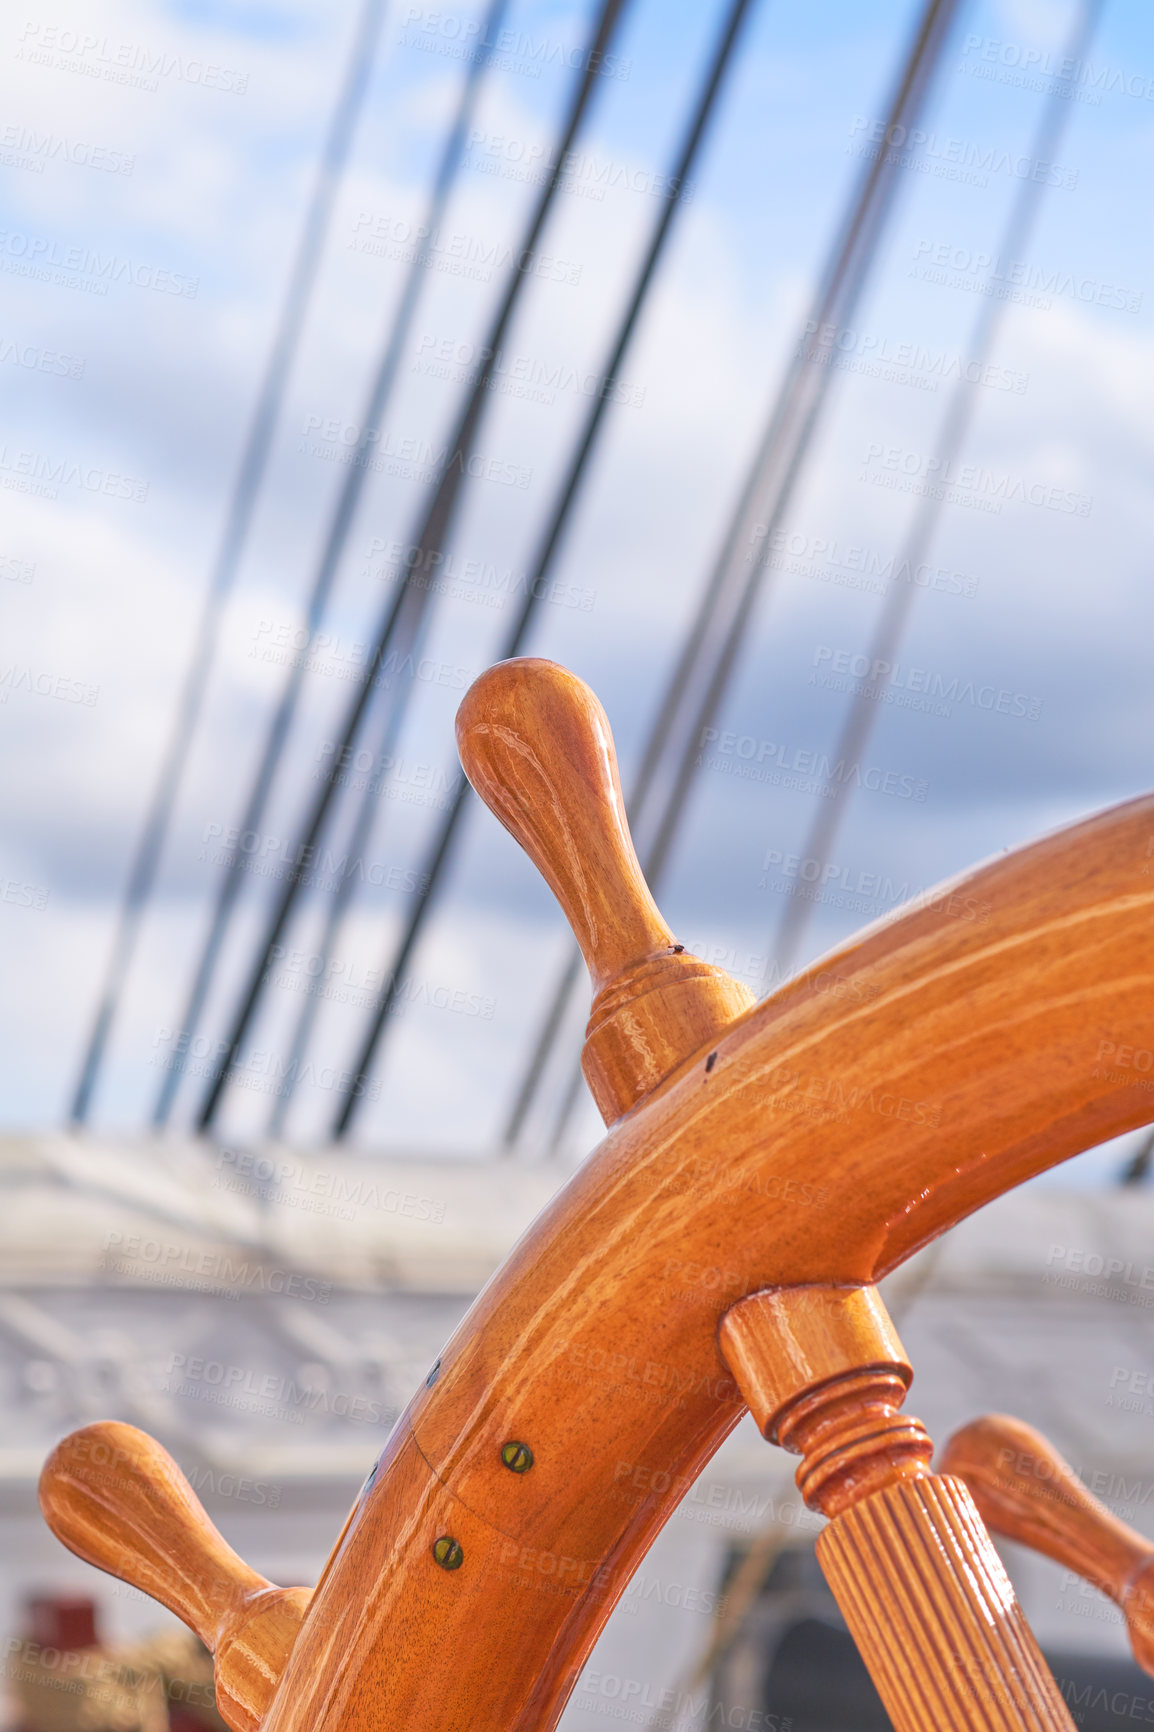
448 1553
517 1457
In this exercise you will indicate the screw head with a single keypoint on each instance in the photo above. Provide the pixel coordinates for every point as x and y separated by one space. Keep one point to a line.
433 1375
448 1553
517 1457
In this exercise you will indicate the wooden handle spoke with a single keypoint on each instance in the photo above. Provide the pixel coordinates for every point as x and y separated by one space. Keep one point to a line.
919 1584
1027 1492
536 745
113 1496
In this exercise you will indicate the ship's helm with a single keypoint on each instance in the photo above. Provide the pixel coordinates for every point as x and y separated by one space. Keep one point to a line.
803 1147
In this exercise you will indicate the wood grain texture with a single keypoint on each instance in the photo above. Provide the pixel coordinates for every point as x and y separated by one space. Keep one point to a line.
536 745
117 1499
784 1344
909 1562
940 1058
824 1374
888 1091
1026 1491
934 1616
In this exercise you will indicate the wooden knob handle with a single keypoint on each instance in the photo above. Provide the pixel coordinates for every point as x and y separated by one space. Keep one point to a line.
1028 1493
113 1496
536 746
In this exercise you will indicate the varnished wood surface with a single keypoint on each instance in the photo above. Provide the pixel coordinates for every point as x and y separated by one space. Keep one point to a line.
922 1590
536 745
824 1374
934 1616
784 1344
117 1499
822 1139
1026 1491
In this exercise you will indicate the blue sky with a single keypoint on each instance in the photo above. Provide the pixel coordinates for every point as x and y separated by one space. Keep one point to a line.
200 184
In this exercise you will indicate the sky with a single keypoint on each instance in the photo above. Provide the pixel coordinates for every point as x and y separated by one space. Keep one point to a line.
157 162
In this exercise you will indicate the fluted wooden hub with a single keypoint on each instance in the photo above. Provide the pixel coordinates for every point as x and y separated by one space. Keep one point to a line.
853 1441
536 746
934 1614
824 1374
910 1564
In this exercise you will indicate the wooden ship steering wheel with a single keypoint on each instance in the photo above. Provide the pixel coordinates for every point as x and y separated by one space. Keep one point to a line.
805 1146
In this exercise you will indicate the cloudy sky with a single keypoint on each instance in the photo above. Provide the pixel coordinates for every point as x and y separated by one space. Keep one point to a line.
180 142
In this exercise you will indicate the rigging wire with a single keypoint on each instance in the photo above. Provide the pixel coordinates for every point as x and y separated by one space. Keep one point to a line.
955 427
566 498
340 526
246 488
411 600
359 837
341 900
705 662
